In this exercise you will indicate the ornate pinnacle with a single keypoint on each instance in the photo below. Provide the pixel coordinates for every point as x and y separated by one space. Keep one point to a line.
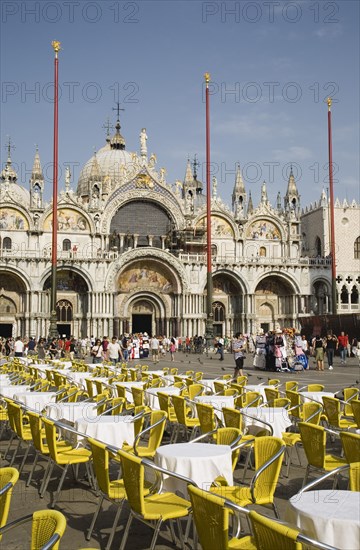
329 102
57 46
207 78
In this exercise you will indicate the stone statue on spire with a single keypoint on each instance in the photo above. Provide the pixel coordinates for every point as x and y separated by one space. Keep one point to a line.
67 179
214 187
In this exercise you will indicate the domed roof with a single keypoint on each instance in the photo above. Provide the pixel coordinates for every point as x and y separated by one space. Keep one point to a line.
108 162
17 193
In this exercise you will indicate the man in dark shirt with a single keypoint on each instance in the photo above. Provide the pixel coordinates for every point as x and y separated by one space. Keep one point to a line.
331 345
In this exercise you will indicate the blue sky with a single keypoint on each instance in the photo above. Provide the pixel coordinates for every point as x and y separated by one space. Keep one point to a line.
272 66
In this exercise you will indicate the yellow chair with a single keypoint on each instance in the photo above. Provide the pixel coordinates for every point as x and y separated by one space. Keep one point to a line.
282 403
242 380
138 396
268 458
195 390
351 445
219 387
21 430
123 392
48 526
62 459
211 517
271 395
38 441
291 385
114 491
230 437
155 431
152 508
8 478
355 406
233 418
189 424
334 415
274 382
313 439
270 534
89 387
207 418
349 395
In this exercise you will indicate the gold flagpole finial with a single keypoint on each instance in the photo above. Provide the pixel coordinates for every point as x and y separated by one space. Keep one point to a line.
57 46
329 102
207 78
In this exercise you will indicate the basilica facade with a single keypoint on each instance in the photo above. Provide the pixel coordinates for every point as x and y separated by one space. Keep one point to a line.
132 252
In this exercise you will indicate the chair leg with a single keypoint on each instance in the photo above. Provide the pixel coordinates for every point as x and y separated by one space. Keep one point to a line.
126 532
113 530
24 459
275 510
155 535
297 452
58 490
32 469
9 445
181 535
46 479
306 475
172 532
15 453
95 516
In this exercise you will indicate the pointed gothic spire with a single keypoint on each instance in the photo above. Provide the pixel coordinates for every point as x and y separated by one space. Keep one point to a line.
323 198
239 195
291 188
292 197
239 184
250 208
188 173
37 174
8 173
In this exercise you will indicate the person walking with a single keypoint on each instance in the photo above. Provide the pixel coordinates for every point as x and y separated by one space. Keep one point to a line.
172 349
238 348
318 346
97 352
154 346
19 347
331 343
114 351
342 346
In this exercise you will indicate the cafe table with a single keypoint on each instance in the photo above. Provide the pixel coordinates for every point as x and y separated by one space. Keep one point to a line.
36 400
328 516
11 389
112 430
277 417
219 402
201 462
307 396
71 411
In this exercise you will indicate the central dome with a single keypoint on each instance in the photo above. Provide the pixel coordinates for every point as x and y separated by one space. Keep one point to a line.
105 165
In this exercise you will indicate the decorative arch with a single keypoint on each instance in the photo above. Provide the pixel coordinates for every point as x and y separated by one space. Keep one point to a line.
84 274
220 226
357 249
71 219
64 311
285 278
318 247
354 298
14 218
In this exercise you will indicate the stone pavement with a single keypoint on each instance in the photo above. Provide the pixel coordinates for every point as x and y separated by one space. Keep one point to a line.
78 502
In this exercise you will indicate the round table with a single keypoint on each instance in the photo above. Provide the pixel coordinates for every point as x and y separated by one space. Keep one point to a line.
328 516
71 411
151 397
112 430
201 462
36 400
276 416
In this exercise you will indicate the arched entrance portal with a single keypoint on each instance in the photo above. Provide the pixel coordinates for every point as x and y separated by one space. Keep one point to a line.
12 305
142 316
274 303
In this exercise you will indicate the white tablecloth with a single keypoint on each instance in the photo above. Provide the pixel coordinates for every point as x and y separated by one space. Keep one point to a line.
4 379
71 411
277 417
201 462
12 389
218 402
36 399
99 378
151 398
209 384
113 430
128 386
315 395
332 517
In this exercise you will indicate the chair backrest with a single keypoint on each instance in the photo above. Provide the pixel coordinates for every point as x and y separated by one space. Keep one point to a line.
332 410
228 436
281 402
253 399
138 396
271 395
199 375
355 406
354 475
45 524
270 534
180 408
15 413
89 387
195 390
313 439
351 445
312 412
274 382
174 371
211 519
219 387
233 418
35 427
156 432
295 402
206 416
315 387
133 476
7 476
100 456
117 405
349 395
265 484
242 380
291 385
164 402
51 437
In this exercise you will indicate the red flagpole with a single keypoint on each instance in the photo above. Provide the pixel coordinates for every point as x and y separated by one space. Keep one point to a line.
332 214
53 331
209 315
